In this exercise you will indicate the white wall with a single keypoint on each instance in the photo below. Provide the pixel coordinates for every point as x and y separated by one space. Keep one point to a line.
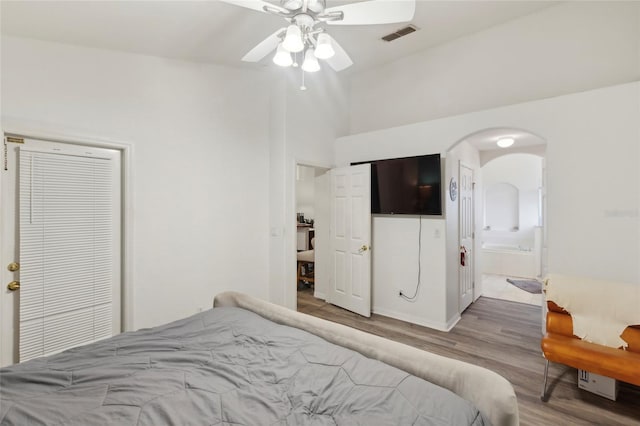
200 136
539 150
524 172
277 189
395 242
395 267
564 49
222 121
592 161
559 50
304 127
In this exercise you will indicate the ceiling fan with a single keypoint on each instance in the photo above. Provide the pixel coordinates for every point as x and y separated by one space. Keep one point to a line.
305 33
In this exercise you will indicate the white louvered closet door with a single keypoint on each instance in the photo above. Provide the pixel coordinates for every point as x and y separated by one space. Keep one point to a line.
69 231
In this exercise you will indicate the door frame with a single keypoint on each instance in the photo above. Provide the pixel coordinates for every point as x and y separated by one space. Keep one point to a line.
290 232
474 252
126 152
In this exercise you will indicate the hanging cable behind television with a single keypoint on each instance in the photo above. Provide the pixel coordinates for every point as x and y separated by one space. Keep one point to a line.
415 295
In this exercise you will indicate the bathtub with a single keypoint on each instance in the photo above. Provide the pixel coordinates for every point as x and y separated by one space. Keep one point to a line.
507 259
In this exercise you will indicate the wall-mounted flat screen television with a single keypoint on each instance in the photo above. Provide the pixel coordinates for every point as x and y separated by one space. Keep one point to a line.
410 185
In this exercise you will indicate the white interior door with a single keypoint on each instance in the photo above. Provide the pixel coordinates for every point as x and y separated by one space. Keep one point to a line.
350 237
466 228
61 222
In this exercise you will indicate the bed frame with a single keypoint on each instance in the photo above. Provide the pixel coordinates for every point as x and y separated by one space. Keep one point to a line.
491 393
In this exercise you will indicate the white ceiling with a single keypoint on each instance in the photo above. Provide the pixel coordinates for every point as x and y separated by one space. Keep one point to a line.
485 140
220 33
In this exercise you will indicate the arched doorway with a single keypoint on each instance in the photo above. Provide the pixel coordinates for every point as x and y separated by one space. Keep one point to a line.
467 215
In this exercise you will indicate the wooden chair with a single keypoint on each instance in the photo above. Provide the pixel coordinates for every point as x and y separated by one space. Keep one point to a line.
306 259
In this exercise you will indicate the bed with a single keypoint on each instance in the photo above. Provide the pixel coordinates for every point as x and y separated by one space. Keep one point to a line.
249 362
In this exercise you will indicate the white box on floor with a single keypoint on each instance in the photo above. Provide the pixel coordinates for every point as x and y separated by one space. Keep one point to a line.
600 385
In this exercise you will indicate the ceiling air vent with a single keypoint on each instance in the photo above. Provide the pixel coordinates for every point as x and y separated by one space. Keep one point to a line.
400 33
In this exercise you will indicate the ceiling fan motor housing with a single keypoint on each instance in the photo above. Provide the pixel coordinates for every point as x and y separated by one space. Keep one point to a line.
304 20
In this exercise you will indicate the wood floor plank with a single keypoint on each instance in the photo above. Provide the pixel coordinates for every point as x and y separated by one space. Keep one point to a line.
502 336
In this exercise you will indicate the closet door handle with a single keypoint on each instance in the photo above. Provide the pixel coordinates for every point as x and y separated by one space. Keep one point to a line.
13 286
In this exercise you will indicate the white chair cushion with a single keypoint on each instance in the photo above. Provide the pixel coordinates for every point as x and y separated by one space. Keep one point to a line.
305 256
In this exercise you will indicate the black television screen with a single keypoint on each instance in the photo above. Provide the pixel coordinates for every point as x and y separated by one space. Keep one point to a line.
408 185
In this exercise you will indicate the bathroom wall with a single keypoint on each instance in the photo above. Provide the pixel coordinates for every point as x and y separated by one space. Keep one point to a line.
524 173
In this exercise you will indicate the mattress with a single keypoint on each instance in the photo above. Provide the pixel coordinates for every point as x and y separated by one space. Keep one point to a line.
224 366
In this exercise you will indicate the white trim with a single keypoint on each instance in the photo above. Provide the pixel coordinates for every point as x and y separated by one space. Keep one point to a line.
27 131
475 255
313 164
436 325
452 322
319 295
290 291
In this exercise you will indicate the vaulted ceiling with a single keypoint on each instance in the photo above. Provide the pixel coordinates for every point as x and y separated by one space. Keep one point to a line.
220 33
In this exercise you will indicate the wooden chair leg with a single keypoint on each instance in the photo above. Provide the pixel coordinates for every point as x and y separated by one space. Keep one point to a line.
299 273
544 397
306 272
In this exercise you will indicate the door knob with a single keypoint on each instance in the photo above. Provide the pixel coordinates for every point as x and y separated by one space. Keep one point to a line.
13 286
363 248
13 266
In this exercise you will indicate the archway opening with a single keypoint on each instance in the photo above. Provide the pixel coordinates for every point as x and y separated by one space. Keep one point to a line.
506 217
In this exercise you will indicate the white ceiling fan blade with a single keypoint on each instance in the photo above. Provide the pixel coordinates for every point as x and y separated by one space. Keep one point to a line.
340 60
265 47
374 12
256 5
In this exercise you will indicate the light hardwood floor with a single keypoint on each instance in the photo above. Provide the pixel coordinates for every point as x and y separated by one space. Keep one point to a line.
502 336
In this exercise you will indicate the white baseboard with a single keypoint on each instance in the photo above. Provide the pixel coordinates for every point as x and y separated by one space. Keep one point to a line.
453 321
436 325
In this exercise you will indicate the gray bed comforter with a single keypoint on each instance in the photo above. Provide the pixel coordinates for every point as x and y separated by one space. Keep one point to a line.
223 366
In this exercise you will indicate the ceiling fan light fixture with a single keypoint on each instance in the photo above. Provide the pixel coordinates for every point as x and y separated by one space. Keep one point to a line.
292 4
293 39
305 21
310 63
282 57
324 48
316 5
505 142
